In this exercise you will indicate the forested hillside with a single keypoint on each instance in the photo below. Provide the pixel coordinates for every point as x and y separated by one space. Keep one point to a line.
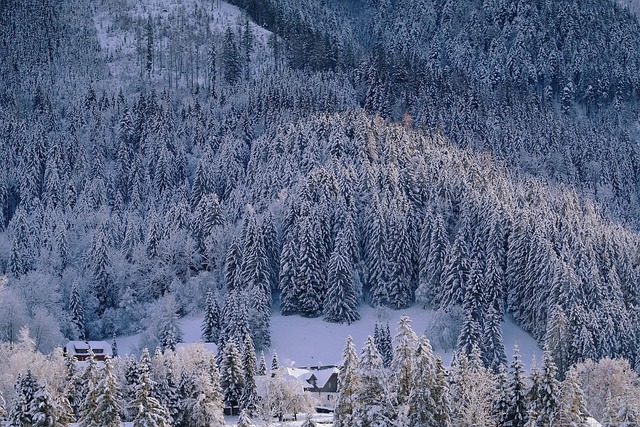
310 157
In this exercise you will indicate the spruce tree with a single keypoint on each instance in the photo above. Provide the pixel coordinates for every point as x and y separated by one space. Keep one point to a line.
148 410
549 394
25 388
105 409
374 403
211 322
232 375
249 397
571 405
422 406
45 411
262 366
77 312
405 342
348 384
275 364
340 303
516 411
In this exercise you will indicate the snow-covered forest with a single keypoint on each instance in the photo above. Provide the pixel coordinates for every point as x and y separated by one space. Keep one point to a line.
231 160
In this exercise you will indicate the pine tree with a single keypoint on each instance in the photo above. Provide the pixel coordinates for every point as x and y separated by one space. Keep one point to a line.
516 412
45 411
249 398
310 275
429 291
557 338
100 267
90 392
77 312
405 342
262 366
204 402
211 322
348 384
275 364
422 406
572 409
230 58
232 375
105 411
166 385
148 411
340 303
374 404
25 388
502 399
245 419
548 398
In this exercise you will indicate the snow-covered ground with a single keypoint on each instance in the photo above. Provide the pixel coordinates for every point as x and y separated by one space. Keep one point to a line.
182 28
302 341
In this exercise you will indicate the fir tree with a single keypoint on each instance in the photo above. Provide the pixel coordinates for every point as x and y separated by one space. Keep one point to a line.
275 364
77 312
340 304
348 384
516 411
25 388
249 397
245 419
262 366
45 411
374 404
571 405
422 406
211 322
105 410
232 375
404 347
148 410
547 401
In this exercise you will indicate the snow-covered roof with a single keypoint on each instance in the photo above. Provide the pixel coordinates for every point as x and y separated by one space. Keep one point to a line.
323 376
81 348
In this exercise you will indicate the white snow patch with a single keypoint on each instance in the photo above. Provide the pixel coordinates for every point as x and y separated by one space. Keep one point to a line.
300 341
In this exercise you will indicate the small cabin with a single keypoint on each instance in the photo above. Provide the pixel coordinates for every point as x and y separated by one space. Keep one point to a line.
80 350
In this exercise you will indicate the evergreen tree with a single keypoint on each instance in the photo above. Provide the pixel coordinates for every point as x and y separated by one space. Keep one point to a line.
232 375
77 312
231 69
422 406
101 271
310 272
211 322
45 411
516 411
429 290
405 342
340 304
275 364
204 402
572 410
105 409
245 419
348 384
374 404
547 401
148 410
25 388
249 398
557 338
262 366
